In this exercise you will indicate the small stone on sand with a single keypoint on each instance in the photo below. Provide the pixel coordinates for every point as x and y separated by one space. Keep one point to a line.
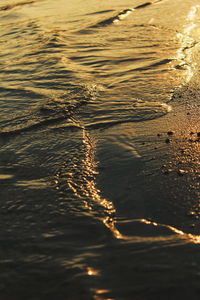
170 132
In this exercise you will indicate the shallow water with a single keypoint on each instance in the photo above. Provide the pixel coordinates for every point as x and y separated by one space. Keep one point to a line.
99 156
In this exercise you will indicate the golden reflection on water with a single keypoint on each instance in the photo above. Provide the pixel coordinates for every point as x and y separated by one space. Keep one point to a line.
93 272
187 42
100 294
188 236
91 188
6 176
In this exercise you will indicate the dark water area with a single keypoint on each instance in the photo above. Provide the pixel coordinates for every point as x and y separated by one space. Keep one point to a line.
99 150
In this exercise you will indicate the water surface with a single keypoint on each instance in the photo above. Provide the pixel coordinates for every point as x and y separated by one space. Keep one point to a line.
99 157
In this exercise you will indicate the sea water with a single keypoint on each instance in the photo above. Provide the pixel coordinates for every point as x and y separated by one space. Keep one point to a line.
99 149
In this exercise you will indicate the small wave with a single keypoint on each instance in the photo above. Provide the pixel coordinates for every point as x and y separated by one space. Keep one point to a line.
55 111
10 6
21 91
153 65
29 127
101 12
143 5
146 230
46 115
113 19
137 111
121 15
155 106
188 44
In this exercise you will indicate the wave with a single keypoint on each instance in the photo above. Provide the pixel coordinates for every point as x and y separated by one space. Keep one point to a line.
43 116
188 43
146 230
143 112
123 14
123 112
20 91
10 6
29 127
55 113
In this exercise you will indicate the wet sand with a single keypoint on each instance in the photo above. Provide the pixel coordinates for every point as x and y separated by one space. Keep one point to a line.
157 173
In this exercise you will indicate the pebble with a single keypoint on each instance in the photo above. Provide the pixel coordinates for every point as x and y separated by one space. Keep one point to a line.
170 132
